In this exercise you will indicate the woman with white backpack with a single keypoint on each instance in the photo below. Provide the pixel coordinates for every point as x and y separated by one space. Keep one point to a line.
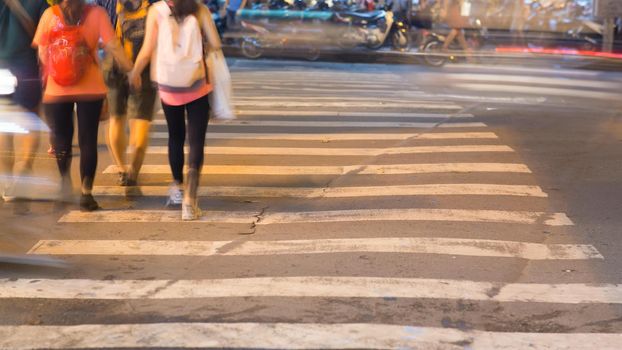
179 35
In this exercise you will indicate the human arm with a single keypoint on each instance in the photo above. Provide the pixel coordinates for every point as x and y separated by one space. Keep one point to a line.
110 42
146 51
41 38
115 49
242 5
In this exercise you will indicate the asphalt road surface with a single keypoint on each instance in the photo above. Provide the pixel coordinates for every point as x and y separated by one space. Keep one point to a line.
349 206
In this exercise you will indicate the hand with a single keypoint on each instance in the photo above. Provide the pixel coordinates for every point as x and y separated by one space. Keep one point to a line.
134 79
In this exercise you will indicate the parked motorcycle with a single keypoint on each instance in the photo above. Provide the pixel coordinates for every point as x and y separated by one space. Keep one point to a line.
260 38
372 29
431 45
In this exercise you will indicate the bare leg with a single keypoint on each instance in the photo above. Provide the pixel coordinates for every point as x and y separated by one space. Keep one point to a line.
117 140
8 161
462 41
450 38
29 146
139 140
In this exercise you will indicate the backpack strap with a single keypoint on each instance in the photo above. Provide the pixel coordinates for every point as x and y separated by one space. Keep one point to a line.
58 13
22 16
203 48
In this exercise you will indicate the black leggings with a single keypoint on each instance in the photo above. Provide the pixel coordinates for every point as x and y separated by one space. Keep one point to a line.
61 117
198 115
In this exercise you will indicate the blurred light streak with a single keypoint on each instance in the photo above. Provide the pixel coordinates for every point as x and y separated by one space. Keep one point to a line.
12 128
548 51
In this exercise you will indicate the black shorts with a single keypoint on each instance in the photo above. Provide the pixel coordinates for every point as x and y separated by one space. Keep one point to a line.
28 90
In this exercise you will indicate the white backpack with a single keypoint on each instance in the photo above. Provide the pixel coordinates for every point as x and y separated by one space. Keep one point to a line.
180 58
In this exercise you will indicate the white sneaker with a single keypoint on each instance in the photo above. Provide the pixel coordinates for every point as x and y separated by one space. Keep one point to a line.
190 211
175 195
8 192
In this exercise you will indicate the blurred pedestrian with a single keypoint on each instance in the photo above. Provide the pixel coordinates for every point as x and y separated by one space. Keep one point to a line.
124 103
365 5
231 9
111 9
67 38
520 14
176 30
399 9
18 22
451 12
423 18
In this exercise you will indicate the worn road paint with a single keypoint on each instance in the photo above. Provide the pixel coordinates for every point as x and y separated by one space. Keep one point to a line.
338 124
311 287
362 215
281 113
403 245
392 169
291 336
340 136
362 152
336 192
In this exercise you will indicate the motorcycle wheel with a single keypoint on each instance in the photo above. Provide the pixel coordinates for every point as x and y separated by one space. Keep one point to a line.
375 45
400 41
431 56
251 48
348 39
313 54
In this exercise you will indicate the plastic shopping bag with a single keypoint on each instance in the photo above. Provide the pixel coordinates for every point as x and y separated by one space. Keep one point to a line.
221 97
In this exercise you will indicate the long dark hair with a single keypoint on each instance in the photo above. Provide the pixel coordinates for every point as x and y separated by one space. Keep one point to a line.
72 10
183 8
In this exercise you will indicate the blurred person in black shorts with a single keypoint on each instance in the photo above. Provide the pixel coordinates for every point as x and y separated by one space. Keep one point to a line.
124 103
18 21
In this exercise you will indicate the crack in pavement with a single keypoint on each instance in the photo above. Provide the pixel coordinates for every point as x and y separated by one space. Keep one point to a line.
356 169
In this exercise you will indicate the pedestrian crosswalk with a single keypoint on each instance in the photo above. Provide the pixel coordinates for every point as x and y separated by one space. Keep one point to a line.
516 81
313 287
288 335
392 169
399 194
361 215
337 192
412 245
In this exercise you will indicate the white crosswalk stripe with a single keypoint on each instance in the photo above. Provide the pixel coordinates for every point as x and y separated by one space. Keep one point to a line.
239 217
339 124
337 192
449 246
290 336
514 81
341 104
393 169
374 115
454 195
312 287
365 152
339 136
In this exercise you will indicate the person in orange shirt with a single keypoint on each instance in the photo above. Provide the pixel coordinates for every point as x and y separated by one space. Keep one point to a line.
85 92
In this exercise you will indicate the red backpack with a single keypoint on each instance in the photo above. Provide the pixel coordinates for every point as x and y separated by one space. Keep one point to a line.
68 53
